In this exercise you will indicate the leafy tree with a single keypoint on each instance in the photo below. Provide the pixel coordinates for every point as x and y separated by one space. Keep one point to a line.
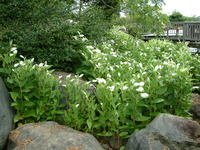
177 16
42 29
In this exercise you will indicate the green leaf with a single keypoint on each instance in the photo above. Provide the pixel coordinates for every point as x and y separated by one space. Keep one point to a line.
59 112
142 118
2 70
30 113
89 123
105 134
14 95
16 118
158 100
162 90
14 104
28 103
123 134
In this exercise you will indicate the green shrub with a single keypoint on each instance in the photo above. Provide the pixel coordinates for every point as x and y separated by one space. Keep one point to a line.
136 81
42 30
34 90
195 71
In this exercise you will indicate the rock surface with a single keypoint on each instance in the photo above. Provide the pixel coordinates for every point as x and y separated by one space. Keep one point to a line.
6 114
50 136
167 132
195 109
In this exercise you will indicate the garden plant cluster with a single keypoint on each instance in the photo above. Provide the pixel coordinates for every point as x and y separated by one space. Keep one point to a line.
135 81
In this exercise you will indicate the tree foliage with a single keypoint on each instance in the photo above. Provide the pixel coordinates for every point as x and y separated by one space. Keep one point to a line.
177 16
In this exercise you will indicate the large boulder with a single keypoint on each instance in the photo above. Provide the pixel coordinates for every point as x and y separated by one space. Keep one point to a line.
167 132
6 114
50 136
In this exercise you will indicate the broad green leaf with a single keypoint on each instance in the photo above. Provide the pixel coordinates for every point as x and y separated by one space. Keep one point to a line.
59 112
158 100
123 134
14 104
162 90
14 95
89 123
105 134
30 113
142 118
16 118
28 103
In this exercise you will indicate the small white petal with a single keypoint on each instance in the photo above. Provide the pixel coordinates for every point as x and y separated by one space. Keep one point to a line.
144 95
140 89
125 88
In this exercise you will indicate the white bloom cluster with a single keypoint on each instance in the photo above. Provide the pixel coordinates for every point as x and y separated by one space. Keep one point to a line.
140 89
111 88
138 84
14 51
100 80
144 95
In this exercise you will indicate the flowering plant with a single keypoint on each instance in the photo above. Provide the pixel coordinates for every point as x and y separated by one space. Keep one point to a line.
33 89
136 81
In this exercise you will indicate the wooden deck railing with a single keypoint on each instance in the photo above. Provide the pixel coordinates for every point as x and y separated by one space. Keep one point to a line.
187 31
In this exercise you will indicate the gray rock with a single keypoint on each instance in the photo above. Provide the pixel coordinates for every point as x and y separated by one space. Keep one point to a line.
167 132
6 114
195 108
51 136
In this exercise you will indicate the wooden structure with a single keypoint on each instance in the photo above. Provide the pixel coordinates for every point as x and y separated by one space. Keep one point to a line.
180 31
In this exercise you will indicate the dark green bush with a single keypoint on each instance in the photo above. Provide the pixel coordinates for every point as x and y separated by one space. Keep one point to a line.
43 30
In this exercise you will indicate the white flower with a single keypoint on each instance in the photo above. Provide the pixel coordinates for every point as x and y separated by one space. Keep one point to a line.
144 73
64 85
173 74
111 88
81 75
75 37
41 64
77 105
139 84
22 63
16 65
84 39
32 59
140 89
108 76
111 68
59 77
21 56
97 51
158 67
132 80
119 74
81 35
90 47
98 65
70 21
13 49
33 67
144 95
101 80
11 55
124 87
68 76
195 87
15 52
